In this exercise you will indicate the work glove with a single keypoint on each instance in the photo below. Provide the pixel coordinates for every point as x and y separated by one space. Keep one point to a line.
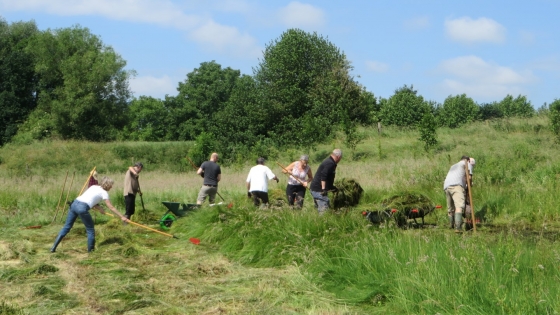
249 195
324 192
334 189
140 193
202 174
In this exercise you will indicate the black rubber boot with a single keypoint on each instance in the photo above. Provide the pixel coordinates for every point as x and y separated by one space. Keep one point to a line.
56 242
451 221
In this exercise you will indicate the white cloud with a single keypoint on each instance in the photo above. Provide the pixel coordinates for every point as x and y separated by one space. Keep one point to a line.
301 15
155 87
225 39
211 35
417 23
377 66
163 12
467 30
480 79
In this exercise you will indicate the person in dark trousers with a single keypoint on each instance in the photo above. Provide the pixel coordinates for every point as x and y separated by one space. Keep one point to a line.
131 188
323 182
80 208
257 183
212 174
300 177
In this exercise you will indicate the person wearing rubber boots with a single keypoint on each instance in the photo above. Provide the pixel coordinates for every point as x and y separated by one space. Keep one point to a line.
131 188
80 208
455 186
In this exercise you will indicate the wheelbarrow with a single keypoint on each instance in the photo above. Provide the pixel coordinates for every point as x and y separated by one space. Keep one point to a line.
175 210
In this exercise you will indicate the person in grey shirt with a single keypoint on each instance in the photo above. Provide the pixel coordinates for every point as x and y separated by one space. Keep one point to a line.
455 186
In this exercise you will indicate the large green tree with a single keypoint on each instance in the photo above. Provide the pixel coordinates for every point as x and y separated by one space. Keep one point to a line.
405 108
243 118
516 107
201 96
148 120
307 89
18 82
457 110
83 88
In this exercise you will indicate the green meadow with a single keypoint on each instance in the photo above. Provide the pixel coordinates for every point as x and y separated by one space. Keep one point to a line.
280 260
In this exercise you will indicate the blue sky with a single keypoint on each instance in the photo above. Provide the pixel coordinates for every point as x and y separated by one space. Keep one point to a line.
485 49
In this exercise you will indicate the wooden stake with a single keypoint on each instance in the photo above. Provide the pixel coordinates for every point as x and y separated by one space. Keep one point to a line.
470 194
60 198
68 193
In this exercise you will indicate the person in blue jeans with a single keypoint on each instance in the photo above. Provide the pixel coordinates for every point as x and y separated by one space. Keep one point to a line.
80 208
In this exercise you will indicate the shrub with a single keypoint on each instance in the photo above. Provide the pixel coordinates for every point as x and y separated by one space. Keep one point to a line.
457 110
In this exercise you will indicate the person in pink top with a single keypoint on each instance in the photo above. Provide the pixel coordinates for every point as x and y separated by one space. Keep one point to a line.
301 175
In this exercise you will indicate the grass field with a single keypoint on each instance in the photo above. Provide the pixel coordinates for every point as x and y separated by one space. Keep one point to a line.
283 261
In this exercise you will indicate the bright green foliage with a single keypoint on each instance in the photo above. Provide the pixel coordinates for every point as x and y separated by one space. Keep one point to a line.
554 116
18 82
83 87
518 107
204 146
307 88
427 128
457 110
147 119
405 108
243 119
201 96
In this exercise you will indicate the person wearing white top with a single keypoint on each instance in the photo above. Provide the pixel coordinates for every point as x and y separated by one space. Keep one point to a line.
257 182
455 186
80 208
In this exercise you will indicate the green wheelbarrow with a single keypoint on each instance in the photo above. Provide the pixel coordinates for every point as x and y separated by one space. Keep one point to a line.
175 210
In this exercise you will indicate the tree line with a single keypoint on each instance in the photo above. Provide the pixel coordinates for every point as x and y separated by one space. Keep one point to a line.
67 84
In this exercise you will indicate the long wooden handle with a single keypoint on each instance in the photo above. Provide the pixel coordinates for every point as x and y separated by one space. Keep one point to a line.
146 227
87 181
192 163
470 194
153 230
60 198
67 194
290 173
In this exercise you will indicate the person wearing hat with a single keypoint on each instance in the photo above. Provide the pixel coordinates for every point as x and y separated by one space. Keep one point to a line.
297 182
455 187
131 188
257 183
93 179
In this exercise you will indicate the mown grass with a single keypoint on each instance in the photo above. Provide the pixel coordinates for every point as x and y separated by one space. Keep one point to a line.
282 261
